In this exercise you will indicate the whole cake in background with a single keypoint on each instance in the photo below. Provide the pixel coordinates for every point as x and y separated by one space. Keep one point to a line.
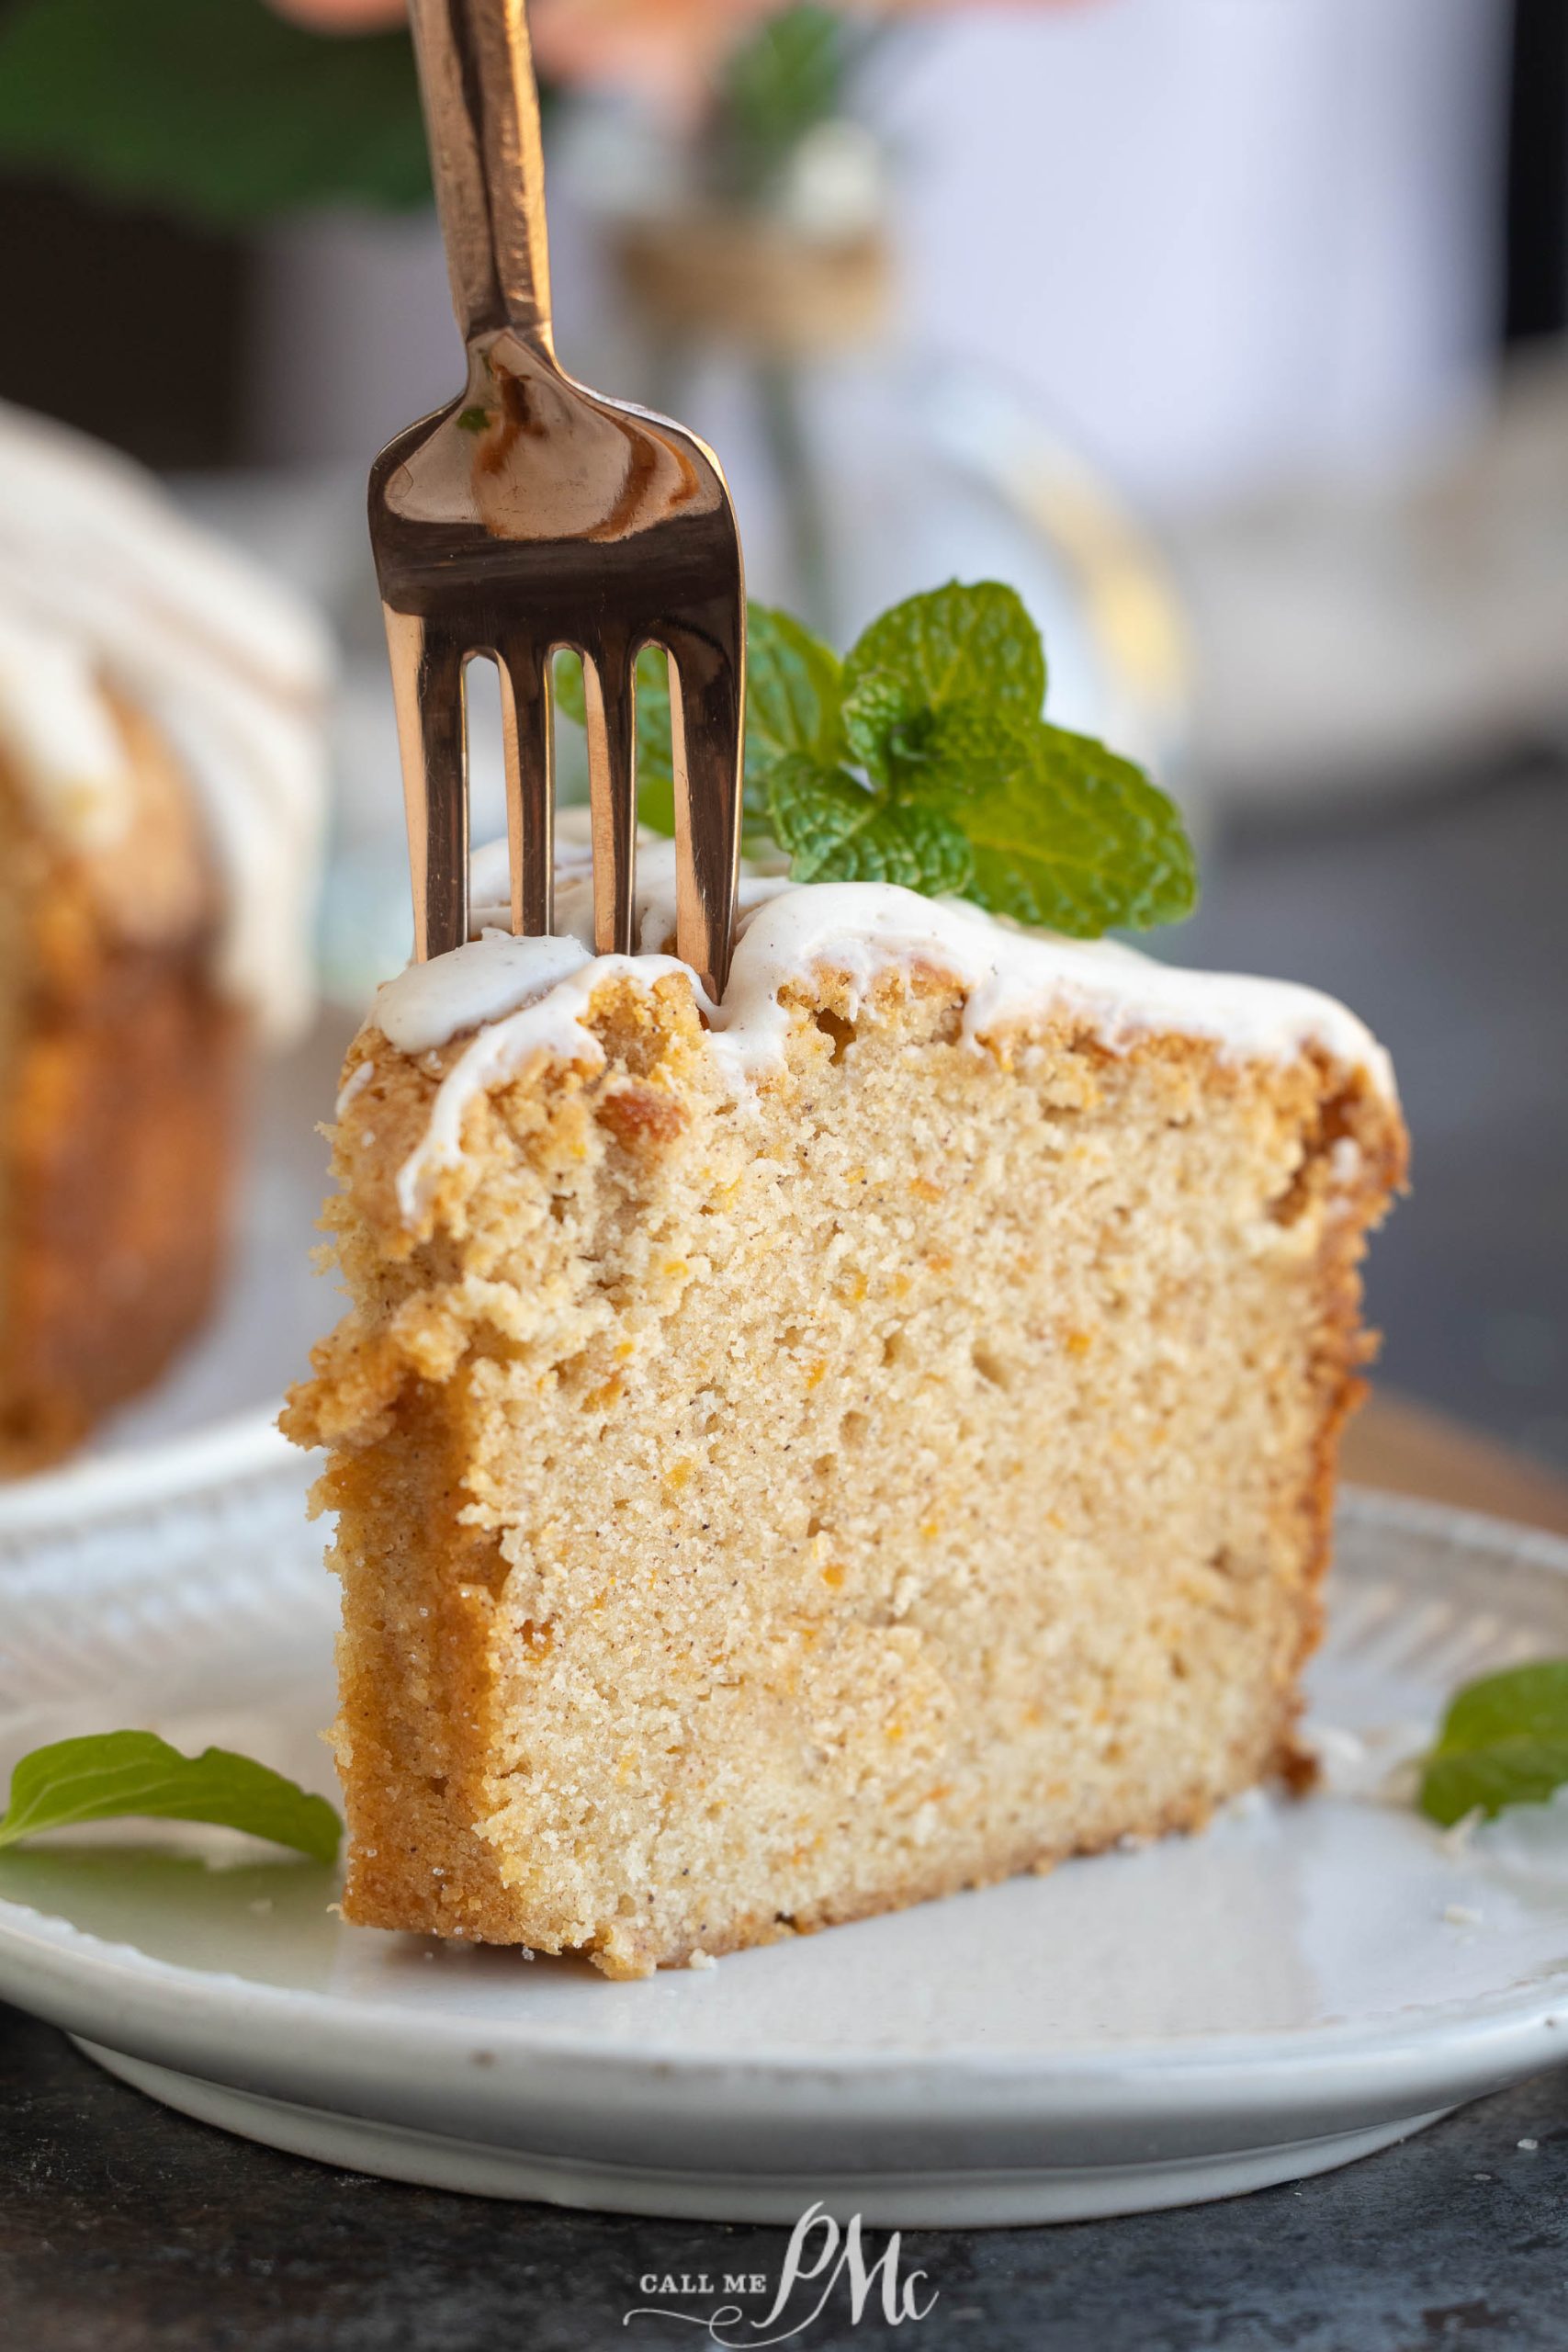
161 789
800 1455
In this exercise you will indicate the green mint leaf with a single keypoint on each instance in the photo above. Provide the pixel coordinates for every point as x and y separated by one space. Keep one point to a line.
109 1775
473 420
792 697
1079 841
886 724
1512 1771
566 686
974 644
224 115
655 750
929 681
1503 1741
950 756
655 755
835 831
1522 1701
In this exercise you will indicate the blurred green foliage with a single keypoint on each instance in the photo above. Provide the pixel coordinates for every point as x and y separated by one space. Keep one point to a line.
216 111
223 112
792 74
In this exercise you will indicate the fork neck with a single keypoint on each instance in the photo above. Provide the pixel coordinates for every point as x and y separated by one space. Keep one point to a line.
481 113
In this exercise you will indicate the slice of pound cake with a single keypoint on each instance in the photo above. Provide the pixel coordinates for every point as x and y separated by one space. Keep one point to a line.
800 1457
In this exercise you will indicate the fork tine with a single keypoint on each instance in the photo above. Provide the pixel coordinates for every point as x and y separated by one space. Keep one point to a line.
608 695
427 688
706 714
528 726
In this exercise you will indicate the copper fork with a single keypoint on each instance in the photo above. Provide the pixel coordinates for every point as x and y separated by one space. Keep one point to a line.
530 515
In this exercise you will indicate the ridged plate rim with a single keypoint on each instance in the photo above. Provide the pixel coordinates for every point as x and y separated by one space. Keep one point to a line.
189 2018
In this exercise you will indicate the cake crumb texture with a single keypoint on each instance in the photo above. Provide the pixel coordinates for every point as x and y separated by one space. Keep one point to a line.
757 1515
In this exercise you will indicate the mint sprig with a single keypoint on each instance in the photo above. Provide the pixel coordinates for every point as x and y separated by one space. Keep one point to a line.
923 759
119 1774
966 789
1502 1741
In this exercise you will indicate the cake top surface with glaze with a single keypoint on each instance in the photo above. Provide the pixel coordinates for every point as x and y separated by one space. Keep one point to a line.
511 998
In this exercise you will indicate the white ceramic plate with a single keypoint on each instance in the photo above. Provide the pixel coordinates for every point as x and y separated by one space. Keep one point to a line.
1300 1986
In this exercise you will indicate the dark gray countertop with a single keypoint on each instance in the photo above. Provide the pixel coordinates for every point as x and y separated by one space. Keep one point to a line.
125 2227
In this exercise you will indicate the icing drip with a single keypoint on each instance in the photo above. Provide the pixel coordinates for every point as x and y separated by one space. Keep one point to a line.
525 996
102 583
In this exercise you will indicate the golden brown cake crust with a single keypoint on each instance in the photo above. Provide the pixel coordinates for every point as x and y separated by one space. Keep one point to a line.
747 1525
120 1073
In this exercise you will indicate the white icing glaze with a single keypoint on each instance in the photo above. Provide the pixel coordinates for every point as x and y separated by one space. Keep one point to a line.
524 997
492 976
56 731
102 583
551 1020
358 1078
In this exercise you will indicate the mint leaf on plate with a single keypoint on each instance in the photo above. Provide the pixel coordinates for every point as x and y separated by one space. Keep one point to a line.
1503 1741
836 831
1079 841
115 1774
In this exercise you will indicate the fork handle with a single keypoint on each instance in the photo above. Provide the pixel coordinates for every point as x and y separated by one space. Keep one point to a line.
481 114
